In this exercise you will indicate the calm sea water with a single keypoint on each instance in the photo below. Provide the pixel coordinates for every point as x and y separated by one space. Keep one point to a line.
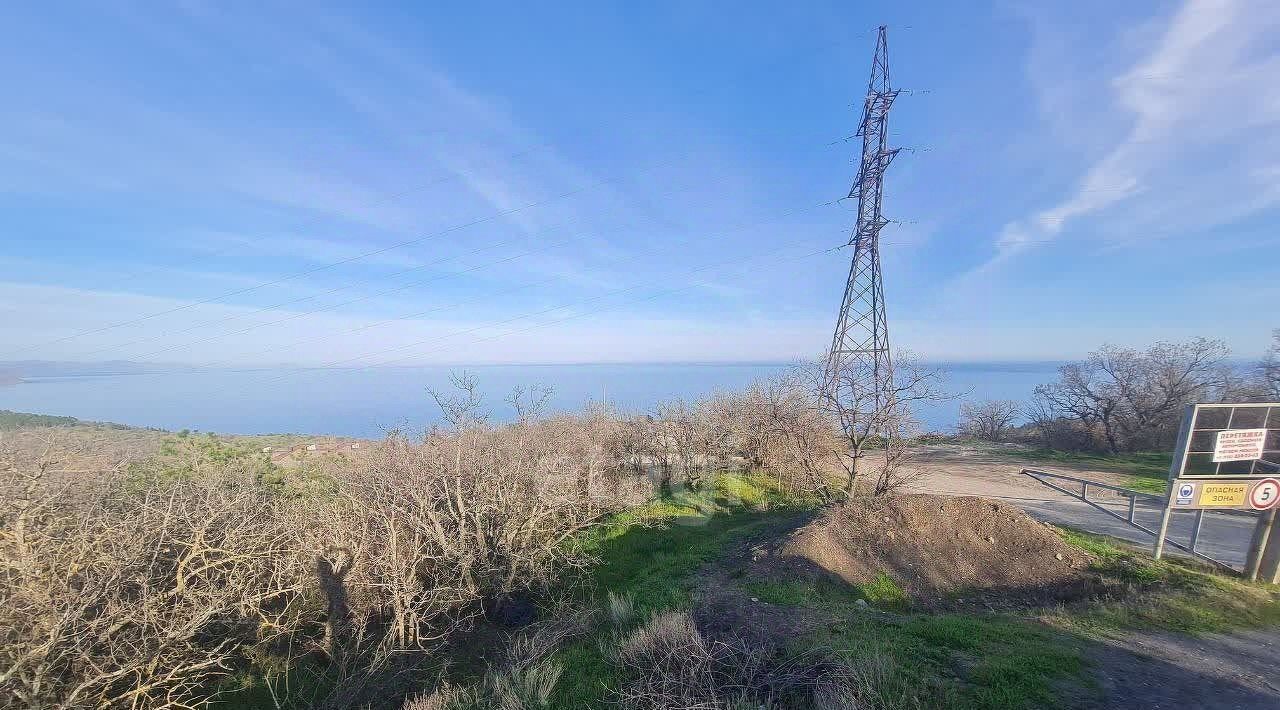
366 403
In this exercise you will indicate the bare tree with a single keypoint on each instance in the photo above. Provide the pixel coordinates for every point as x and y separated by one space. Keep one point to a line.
465 406
1134 397
989 419
875 422
678 432
1041 414
798 435
1269 369
528 402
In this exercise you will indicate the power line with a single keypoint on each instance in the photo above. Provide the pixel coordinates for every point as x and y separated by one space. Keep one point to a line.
663 292
356 283
325 267
339 289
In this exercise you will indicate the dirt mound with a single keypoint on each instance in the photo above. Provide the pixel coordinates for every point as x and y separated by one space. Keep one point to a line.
944 552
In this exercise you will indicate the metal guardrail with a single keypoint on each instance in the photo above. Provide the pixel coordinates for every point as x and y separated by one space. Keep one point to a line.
1133 497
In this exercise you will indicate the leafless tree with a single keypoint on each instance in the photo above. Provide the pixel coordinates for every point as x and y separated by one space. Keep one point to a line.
528 402
989 419
1041 414
678 433
1269 369
797 436
464 406
875 422
1134 397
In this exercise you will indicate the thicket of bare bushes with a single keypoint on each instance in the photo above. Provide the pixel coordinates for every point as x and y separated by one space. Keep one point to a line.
160 581
169 574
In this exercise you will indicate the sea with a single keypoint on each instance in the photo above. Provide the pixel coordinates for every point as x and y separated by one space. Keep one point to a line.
373 401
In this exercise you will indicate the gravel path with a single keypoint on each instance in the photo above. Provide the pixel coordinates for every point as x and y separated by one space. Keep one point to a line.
1166 671
1141 669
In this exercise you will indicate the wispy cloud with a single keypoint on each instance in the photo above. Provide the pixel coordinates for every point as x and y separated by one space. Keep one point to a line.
1203 108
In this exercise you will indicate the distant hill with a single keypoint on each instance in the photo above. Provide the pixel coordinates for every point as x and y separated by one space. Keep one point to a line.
51 368
10 421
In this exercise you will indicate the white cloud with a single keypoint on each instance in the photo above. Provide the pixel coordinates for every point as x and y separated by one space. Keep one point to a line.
1203 138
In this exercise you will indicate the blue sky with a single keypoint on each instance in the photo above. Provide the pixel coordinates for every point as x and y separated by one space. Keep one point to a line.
573 182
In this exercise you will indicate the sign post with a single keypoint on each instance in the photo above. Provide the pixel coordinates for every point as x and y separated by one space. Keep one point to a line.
1227 458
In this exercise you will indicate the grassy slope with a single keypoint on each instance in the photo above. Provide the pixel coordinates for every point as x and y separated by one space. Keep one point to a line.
652 555
945 660
957 660
1170 595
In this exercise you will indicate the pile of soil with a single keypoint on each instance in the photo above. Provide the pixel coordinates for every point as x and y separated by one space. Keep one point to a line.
944 552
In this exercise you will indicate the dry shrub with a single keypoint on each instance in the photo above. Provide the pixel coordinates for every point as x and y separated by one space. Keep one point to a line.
868 684
621 608
671 664
139 600
145 589
524 677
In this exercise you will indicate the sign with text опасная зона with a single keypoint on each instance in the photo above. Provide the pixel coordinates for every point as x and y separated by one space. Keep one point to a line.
1225 454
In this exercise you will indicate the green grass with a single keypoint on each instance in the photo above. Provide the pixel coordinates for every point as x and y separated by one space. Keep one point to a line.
652 554
961 660
1169 595
882 592
942 660
948 661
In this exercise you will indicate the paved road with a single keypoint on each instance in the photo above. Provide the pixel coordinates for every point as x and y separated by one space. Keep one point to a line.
955 470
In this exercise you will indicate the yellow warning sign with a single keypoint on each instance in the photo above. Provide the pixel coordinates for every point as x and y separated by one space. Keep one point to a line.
1223 494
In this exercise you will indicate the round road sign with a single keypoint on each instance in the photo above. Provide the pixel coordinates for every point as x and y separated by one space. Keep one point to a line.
1265 493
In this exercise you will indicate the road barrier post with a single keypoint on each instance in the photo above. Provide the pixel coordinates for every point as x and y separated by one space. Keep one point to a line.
1175 469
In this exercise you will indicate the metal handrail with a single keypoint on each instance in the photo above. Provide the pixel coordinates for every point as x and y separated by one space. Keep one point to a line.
1133 496
1129 492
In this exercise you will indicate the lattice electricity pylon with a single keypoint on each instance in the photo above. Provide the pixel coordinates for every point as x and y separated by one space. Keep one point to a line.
859 371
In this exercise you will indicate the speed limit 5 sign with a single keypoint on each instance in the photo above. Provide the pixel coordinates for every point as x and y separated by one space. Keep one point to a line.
1264 494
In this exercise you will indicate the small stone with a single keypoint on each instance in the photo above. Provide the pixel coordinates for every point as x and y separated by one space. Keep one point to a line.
886 519
754 599
860 602
990 539
1058 557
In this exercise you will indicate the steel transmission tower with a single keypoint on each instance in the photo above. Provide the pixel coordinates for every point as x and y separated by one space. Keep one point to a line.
858 370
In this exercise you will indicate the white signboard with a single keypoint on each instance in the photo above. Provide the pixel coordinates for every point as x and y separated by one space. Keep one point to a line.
1239 445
